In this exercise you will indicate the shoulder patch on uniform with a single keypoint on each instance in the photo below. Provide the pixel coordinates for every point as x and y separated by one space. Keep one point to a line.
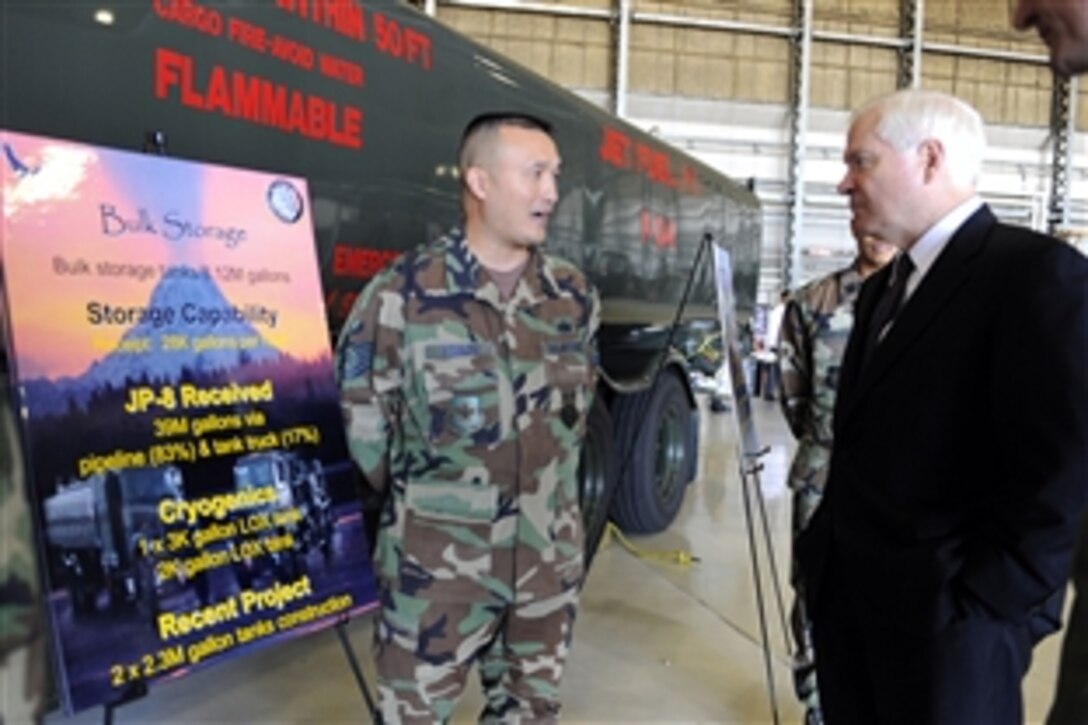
358 359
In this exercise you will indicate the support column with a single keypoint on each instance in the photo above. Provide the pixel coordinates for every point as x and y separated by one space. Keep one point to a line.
911 20
799 105
622 52
1062 99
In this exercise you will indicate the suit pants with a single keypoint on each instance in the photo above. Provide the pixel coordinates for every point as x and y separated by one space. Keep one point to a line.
1071 701
872 671
425 651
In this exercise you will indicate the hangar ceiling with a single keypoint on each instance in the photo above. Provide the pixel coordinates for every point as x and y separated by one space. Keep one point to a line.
762 89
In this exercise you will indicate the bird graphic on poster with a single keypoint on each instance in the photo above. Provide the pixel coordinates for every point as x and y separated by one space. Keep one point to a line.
18 166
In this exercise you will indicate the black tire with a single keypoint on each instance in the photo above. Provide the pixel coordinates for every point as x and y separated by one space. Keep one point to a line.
328 529
120 598
692 468
83 586
83 599
290 565
202 584
147 592
243 575
656 453
596 476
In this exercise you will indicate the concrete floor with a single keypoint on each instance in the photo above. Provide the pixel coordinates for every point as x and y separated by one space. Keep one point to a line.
655 641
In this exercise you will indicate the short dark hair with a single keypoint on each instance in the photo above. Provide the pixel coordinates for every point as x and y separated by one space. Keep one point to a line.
490 122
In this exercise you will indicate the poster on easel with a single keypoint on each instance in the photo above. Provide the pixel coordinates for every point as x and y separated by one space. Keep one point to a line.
727 317
184 443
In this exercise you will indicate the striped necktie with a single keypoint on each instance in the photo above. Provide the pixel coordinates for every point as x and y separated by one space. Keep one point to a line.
887 307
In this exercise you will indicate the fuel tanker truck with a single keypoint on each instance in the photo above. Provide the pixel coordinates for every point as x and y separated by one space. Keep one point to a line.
366 100
301 515
105 531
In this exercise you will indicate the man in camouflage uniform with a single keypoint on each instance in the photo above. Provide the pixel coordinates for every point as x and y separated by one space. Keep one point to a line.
22 638
815 328
467 369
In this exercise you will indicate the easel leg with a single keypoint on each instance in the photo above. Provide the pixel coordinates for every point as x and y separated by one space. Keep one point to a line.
772 561
135 691
360 679
760 606
749 477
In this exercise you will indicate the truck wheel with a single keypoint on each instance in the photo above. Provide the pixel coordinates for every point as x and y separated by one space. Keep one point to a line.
656 450
290 565
323 532
82 584
596 476
691 470
82 598
120 597
203 586
243 575
147 594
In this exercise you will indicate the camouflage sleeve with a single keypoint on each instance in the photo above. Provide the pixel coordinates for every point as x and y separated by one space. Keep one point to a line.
795 363
592 326
369 362
22 639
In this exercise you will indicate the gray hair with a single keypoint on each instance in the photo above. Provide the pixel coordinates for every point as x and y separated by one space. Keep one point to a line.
907 118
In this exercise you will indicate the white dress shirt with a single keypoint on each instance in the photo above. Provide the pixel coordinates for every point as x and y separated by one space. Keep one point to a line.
929 246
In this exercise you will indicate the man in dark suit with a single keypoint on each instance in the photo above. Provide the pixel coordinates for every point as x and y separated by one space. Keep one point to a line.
1063 26
940 553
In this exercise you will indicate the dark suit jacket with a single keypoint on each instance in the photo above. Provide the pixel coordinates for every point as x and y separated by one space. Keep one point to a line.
960 461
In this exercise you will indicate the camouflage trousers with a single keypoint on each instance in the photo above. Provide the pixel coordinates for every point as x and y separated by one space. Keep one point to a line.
805 501
426 649
23 653
23 684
